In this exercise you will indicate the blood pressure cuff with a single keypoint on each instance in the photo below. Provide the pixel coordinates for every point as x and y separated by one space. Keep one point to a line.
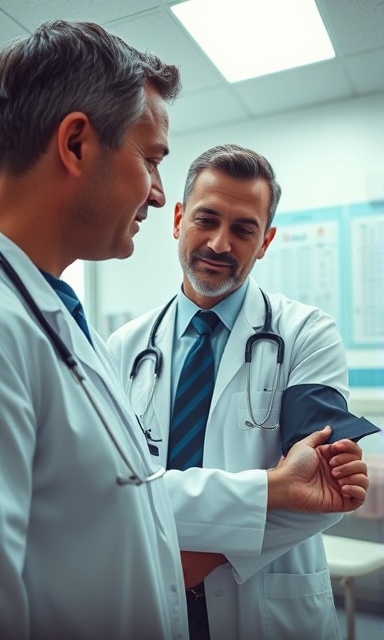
307 408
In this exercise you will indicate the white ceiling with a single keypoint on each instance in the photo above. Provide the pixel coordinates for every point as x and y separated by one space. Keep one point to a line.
356 28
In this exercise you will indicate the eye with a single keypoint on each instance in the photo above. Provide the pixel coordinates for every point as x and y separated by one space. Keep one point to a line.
205 221
245 232
152 164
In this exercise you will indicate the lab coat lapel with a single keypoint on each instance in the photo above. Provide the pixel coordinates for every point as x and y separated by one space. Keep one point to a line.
251 315
61 321
162 399
94 363
155 411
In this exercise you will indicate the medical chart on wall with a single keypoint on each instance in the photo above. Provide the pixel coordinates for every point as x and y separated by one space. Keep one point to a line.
303 260
332 258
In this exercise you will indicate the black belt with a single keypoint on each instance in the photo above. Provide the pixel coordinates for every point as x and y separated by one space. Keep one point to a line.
197 613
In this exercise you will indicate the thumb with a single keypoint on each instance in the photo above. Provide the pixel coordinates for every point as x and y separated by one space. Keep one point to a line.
318 437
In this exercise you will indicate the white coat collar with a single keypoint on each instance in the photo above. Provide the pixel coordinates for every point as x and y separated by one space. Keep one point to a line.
53 309
92 361
251 316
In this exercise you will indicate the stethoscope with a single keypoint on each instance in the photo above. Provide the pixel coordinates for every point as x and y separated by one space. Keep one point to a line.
133 478
153 352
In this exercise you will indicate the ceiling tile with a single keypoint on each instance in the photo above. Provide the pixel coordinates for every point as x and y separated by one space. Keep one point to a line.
9 28
158 32
313 84
367 71
208 109
358 25
31 13
356 28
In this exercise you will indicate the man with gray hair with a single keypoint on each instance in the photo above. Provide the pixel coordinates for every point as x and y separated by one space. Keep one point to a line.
249 385
88 545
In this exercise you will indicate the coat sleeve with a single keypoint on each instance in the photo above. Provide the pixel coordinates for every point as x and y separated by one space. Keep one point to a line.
222 512
219 511
283 531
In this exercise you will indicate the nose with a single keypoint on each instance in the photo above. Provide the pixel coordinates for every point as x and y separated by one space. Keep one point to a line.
219 241
156 195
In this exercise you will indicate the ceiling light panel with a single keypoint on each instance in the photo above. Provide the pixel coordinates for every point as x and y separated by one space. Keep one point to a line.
250 38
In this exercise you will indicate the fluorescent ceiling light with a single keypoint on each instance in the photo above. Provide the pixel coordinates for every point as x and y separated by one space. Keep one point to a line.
250 38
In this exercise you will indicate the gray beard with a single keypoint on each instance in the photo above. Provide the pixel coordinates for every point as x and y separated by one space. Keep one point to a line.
209 289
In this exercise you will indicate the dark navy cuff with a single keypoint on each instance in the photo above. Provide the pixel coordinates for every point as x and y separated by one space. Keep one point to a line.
310 407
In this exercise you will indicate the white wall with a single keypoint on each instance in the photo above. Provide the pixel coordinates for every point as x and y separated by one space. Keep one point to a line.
322 156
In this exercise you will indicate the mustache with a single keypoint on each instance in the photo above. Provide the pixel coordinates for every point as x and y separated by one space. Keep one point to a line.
214 257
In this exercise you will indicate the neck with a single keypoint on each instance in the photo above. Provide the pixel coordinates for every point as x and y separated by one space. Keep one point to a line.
27 217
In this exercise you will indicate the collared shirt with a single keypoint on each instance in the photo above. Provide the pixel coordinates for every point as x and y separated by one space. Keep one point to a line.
71 301
185 334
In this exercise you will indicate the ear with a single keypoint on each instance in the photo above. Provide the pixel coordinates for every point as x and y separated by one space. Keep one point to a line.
177 216
75 137
266 242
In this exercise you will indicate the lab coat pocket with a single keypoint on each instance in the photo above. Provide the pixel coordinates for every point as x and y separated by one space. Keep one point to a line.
264 411
299 606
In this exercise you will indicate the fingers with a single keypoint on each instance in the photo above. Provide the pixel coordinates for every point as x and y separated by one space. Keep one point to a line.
317 437
342 458
346 446
349 467
355 492
358 479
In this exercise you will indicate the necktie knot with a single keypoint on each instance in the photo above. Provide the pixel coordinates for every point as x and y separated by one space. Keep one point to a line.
205 322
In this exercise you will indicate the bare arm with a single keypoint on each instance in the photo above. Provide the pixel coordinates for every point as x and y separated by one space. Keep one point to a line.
197 565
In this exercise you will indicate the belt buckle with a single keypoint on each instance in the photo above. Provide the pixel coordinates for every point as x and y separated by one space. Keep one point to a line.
198 592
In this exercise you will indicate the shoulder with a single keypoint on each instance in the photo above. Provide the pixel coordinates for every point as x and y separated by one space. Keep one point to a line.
290 315
134 327
27 357
16 324
306 321
289 307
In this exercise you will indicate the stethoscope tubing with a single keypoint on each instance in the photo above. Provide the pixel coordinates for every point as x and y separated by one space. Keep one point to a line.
67 357
153 352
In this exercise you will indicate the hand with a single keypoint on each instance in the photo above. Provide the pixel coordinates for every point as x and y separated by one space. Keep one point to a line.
345 460
304 480
197 565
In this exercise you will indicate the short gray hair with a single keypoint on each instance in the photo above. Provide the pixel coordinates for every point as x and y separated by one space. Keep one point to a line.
72 66
237 162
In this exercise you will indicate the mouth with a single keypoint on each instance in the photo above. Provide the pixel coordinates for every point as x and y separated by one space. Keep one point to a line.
214 263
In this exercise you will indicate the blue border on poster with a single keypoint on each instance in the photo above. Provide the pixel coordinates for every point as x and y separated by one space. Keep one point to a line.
366 378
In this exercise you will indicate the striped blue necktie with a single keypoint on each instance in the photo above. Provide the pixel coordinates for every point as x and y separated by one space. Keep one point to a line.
193 398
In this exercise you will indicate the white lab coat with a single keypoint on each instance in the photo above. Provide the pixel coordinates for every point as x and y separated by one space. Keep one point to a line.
81 557
276 585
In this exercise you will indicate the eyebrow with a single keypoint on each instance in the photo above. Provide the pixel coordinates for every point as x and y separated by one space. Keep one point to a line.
217 214
161 149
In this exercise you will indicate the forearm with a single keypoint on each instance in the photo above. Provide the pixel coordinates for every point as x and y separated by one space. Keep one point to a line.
284 530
